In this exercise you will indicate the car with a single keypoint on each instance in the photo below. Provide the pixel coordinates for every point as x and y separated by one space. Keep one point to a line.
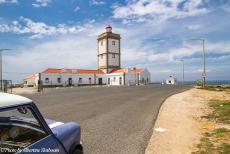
23 129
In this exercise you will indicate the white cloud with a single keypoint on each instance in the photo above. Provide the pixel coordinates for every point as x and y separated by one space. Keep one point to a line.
97 2
8 1
40 29
194 27
142 10
77 8
63 52
79 50
41 3
134 53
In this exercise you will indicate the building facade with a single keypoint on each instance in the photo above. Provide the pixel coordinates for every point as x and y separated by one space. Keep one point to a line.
109 55
171 80
108 72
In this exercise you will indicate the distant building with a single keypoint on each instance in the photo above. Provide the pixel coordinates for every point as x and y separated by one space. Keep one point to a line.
31 80
171 80
109 70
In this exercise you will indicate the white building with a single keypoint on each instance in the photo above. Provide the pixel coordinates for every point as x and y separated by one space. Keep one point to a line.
31 80
171 80
109 70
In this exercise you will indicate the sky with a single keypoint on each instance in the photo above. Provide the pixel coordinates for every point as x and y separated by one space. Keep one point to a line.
156 34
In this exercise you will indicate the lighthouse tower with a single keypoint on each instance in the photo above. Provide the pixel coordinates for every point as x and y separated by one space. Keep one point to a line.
109 55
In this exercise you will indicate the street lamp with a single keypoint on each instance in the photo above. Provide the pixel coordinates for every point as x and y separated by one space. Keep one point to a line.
1 67
203 59
182 60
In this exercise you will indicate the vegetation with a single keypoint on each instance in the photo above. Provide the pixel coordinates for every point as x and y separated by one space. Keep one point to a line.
199 82
217 88
218 140
221 111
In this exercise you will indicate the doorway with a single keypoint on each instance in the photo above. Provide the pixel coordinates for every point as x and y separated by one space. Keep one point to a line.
100 81
70 82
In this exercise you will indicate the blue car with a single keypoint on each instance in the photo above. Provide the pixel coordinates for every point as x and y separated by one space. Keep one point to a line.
24 130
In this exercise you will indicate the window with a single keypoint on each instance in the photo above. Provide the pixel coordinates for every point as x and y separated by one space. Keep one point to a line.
120 80
113 55
108 80
59 80
46 80
19 129
80 80
102 43
114 79
90 80
101 56
113 42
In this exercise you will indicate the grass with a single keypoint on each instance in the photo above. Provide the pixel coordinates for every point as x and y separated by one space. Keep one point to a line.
221 111
221 132
217 88
224 148
216 141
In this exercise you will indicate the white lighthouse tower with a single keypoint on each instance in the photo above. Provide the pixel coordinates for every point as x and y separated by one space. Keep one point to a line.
109 55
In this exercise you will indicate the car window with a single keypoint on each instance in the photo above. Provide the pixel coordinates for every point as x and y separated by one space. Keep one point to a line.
19 129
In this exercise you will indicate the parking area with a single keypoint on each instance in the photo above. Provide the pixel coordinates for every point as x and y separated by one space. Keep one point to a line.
113 119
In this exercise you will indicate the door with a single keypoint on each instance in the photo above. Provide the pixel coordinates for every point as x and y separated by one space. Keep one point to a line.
108 81
70 82
26 133
100 81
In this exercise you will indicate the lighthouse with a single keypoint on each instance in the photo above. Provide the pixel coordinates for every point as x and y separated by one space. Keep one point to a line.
109 54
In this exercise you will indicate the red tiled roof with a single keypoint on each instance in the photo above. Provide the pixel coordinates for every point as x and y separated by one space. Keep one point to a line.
70 71
121 70
137 70
54 70
30 77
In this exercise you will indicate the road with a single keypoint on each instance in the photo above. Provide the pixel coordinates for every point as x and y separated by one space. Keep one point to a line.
114 120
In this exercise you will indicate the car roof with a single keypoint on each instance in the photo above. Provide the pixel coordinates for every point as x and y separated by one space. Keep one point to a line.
11 100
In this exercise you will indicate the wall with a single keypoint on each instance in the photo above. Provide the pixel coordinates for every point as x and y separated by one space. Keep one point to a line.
102 60
115 79
170 81
113 48
114 61
144 77
128 79
53 79
102 48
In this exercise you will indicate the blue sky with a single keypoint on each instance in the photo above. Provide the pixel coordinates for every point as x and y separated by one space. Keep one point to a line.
156 34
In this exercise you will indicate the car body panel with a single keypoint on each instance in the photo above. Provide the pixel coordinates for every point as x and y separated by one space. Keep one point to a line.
61 136
48 145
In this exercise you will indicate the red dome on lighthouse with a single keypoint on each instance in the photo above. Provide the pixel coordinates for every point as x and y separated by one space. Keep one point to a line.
108 28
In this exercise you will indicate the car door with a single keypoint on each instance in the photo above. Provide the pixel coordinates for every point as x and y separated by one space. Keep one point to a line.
46 145
22 132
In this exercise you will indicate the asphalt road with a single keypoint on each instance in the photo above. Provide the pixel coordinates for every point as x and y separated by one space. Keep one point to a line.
114 120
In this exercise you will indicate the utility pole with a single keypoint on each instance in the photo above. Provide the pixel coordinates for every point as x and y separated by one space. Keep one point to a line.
182 60
203 61
1 79
183 71
204 71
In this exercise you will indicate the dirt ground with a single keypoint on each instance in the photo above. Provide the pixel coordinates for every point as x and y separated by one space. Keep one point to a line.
179 127
28 90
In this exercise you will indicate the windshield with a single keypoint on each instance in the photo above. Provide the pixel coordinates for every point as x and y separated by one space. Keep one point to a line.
19 129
